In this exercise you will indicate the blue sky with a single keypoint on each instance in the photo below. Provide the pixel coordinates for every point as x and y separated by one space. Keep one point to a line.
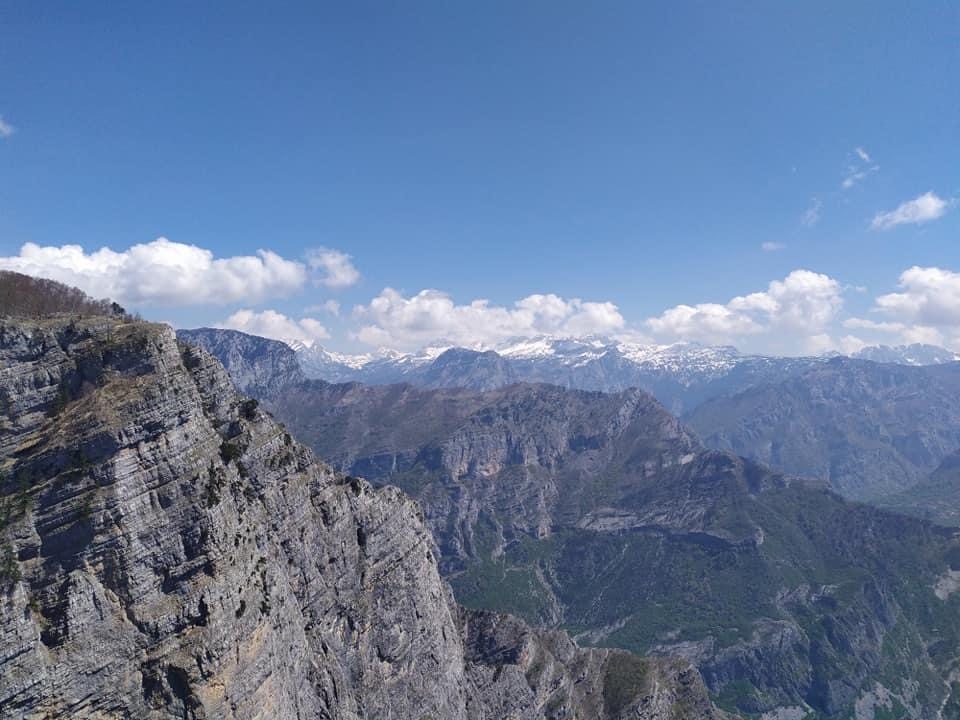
623 164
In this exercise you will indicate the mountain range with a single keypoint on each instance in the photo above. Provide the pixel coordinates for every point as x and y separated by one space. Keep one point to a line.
601 513
168 550
680 375
870 428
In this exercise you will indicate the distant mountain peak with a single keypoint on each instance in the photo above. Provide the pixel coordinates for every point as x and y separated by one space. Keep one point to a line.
914 354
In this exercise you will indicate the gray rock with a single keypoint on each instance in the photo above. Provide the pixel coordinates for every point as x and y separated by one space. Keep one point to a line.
601 512
256 365
170 551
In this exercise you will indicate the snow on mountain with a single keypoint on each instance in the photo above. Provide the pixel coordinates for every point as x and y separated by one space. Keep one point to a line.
915 354
679 374
683 358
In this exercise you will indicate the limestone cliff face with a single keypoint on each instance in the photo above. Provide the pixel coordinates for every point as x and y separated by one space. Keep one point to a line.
256 365
522 461
168 550
601 513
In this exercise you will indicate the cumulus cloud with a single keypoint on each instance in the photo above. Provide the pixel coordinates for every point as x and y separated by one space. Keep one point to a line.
162 272
772 246
431 315
928 296
901 333
6 129
920 210
336 268
926 309
794 313
271 324
849 344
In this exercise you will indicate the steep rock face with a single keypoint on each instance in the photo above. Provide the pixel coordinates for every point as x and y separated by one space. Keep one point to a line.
869 429
170 551
601 513
520 458
256 365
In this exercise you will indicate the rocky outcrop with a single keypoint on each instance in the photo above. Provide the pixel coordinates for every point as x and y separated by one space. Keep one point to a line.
521 459
257 366
168 550
602 513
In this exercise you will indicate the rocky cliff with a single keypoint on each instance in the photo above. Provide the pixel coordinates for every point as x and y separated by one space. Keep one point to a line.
168 550
257 366
524 458
601 513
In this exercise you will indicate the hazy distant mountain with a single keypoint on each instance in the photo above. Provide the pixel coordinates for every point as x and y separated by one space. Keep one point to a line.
916 354
871 429
257 366
936 497
680 375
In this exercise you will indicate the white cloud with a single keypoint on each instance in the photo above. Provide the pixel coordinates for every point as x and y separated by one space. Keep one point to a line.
903 333
6 129
920 210
431 315
162 272
331 307
925 310
929 296
772 246
859 167
793 314
856 323
854 176
271 324
926 335
812 214
849 344
337 268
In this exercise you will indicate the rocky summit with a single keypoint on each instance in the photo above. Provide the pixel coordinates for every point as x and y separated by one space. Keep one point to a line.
170 551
